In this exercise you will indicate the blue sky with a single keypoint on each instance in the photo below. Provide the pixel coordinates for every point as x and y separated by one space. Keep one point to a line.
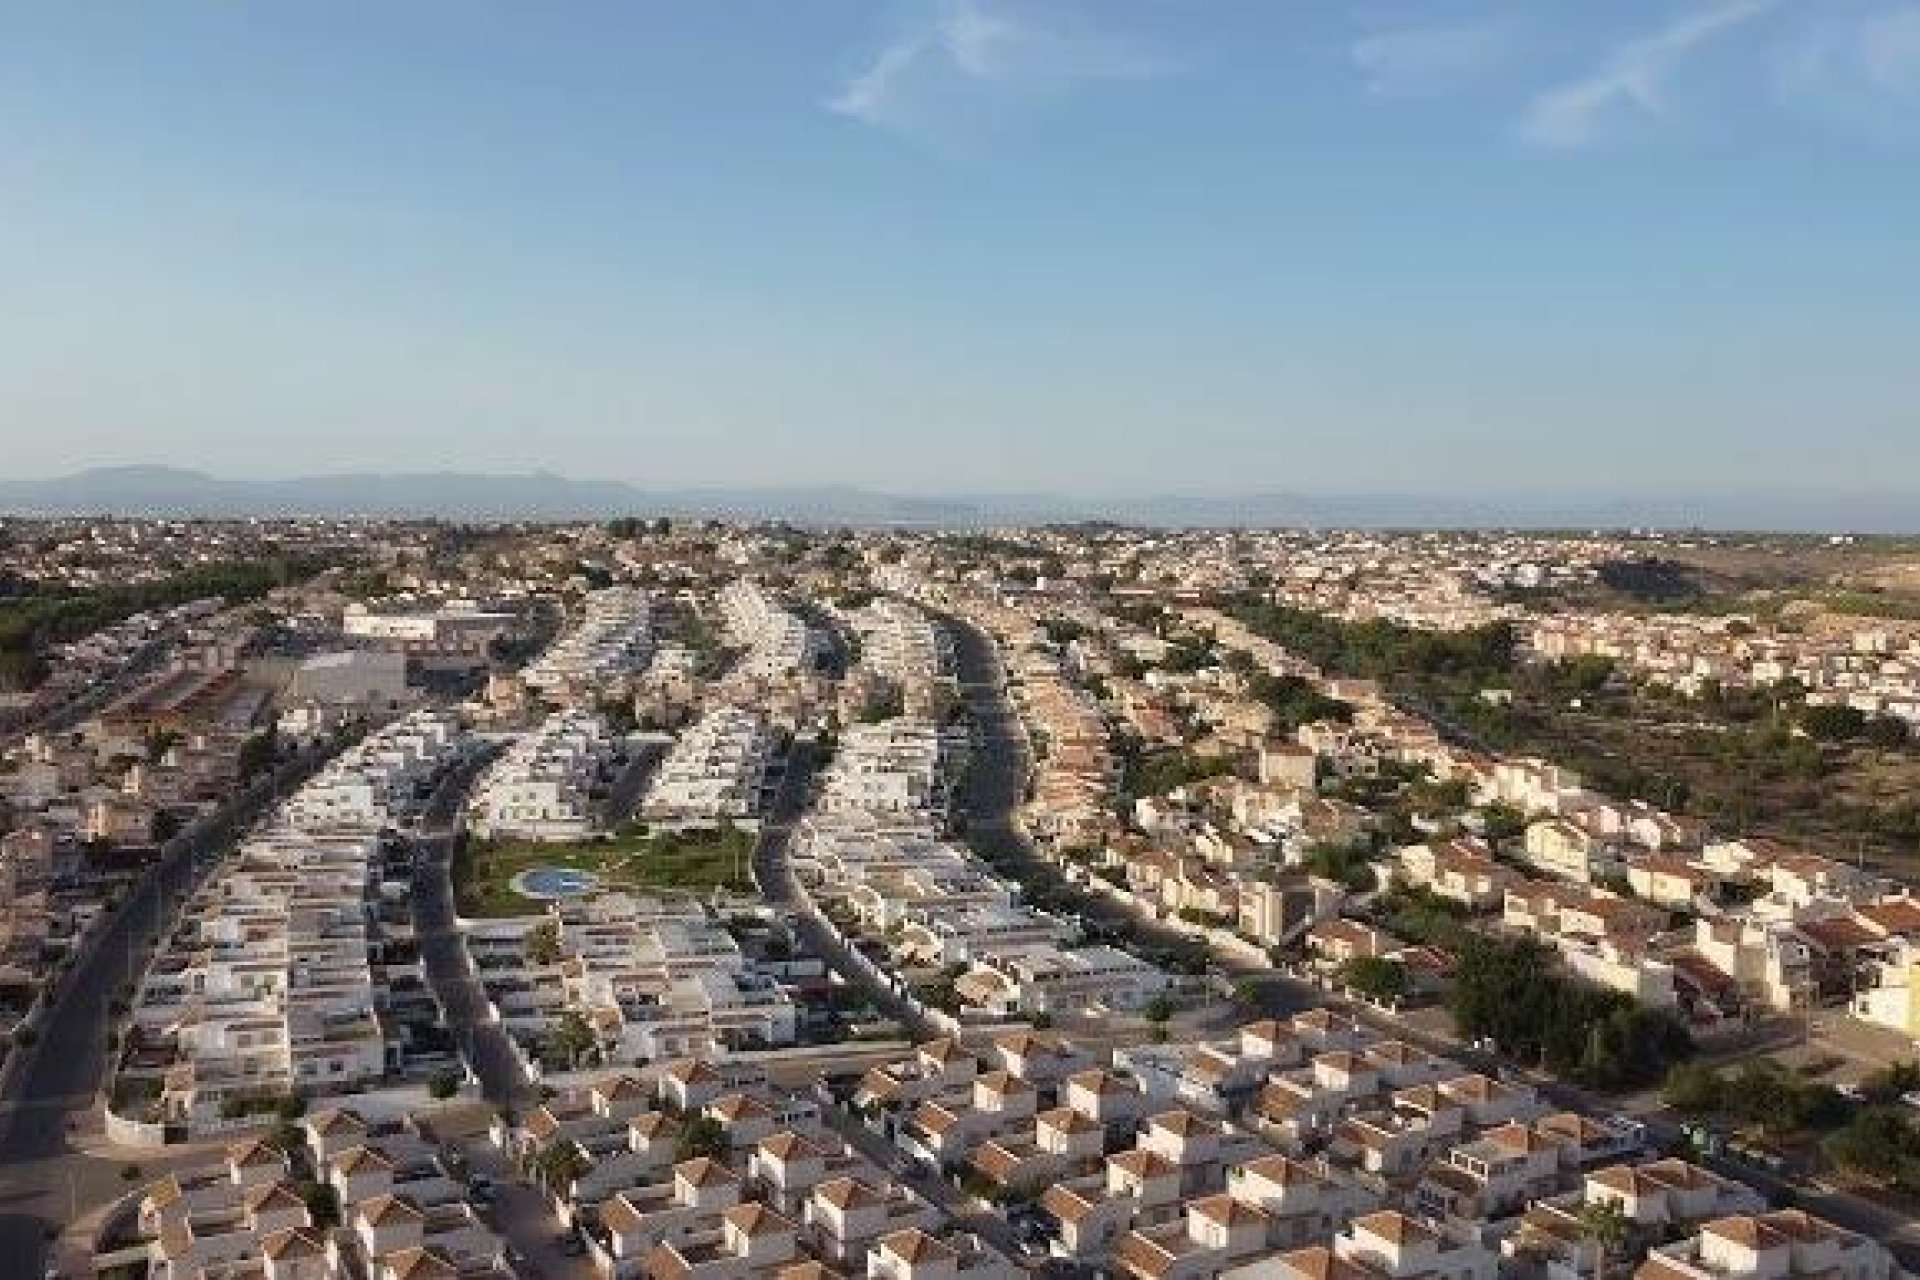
1114 246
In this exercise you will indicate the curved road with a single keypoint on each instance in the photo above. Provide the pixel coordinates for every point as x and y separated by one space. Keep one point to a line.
773 873
450 973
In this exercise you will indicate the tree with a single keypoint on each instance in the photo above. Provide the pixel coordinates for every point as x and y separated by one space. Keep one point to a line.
1376 978
444 1085
1693 1088
1833 723
1513 992
1889 733
322 1202
1348 865
1888 1083
704 1136
1877 1143
619 714
1502 822
1608 1227
1159 1011
543 943
571 1039
1586 674
163 826
257 754
560 1164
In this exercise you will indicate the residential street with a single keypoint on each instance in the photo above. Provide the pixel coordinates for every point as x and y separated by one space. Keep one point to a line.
484 1045
774 875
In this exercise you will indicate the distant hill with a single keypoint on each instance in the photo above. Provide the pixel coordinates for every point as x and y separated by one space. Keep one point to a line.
174 491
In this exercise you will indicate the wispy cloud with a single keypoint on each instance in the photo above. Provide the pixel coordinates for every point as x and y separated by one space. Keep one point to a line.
1887 49
1415 61
963 50
1633 78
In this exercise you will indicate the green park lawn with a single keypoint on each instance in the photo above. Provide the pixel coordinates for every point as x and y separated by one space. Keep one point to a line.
690 863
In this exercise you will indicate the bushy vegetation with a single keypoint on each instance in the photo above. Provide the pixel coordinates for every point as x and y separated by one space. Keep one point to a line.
31 623
1762 1092
1649 579
1516 994
1381 650
1881 1143
1350 865
1159 772
1376 978
1294 701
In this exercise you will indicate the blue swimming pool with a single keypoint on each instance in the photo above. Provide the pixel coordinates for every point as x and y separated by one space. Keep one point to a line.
556 882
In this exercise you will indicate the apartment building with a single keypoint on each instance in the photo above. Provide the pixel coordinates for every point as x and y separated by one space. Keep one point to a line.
608 644
717 771
277 979
541 787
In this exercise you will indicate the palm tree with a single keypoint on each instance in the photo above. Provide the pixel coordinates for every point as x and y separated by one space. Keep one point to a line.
572 1038
1606 1224
560 1164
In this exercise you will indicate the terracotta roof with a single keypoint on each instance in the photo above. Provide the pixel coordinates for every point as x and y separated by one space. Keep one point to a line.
997 1162
692 1071
417 1263
378 1209
1281 1170
1099 1082
1319 1263
1393 1226
1837 933
1746 1231
1183 1123
914 1246
788 1145
1143 1164
664 1262
354 1159
292 1244
1227 1212
1892 915
333 1120
943 1049
807 1271
618 1215
1140 1256
1066 1204
1067 1120
703 1171
254 1152
847 1193
622 1086
1004 1083
280 1195
755 1219
735 1107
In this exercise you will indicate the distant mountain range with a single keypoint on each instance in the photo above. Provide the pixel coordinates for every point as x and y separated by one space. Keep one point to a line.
173 491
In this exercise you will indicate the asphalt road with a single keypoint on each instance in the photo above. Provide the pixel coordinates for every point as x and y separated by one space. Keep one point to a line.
483 1043
773 873
996 785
